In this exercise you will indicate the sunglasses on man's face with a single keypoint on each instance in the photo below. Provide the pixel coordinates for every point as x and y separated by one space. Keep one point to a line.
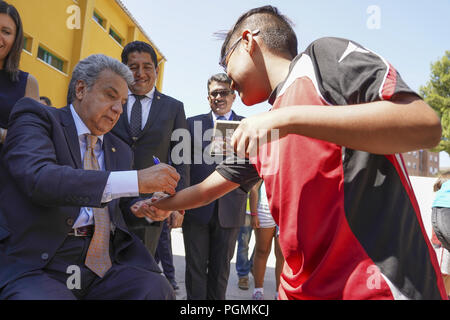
223 93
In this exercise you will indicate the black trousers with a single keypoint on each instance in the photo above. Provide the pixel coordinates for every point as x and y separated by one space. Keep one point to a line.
67 278
164 254
149 235
209 249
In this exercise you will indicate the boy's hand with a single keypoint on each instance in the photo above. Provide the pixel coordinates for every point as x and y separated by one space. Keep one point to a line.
253 132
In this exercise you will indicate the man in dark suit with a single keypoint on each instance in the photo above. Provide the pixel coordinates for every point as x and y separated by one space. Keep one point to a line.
146 125
210 232
64 178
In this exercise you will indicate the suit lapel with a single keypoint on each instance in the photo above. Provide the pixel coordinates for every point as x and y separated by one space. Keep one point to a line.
71 135
109 154
157 106
207 123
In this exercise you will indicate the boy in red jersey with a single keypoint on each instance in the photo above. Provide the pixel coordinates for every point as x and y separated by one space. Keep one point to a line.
350 226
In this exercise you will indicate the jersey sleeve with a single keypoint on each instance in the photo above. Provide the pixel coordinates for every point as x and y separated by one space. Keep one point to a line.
239 171
347 73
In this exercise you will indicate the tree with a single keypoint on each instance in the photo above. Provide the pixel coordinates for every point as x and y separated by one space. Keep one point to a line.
437 94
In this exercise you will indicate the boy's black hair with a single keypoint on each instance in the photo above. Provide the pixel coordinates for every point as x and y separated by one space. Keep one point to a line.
139 46
275 30
11 63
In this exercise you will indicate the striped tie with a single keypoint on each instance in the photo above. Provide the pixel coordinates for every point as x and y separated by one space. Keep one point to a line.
97 257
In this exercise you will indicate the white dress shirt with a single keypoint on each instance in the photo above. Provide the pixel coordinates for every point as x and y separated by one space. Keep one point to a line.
146 105
119 184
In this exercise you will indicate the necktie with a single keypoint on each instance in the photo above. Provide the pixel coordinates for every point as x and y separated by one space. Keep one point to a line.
136 116
97 257
221 118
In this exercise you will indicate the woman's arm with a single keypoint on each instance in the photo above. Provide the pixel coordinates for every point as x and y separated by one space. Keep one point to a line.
253 199
32 88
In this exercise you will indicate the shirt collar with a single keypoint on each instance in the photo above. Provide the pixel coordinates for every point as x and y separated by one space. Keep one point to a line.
149 94
82 130
226 115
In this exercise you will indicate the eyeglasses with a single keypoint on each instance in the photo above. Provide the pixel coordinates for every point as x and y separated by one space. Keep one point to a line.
223 93
223 61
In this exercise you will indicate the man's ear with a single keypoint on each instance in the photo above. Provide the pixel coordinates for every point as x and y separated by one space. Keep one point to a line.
80 89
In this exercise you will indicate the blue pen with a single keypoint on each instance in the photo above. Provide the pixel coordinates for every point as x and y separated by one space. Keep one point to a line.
156 160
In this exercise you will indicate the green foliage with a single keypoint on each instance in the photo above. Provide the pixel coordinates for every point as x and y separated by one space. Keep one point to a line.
437 94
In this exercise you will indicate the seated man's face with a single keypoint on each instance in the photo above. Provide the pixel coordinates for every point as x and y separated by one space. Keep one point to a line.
100 106
144 72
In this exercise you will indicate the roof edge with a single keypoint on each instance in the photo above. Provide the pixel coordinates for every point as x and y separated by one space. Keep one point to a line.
120 3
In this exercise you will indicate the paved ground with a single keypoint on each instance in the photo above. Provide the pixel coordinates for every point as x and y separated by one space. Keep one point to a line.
233 292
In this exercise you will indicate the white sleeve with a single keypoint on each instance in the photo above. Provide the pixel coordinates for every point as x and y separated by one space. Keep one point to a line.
121 184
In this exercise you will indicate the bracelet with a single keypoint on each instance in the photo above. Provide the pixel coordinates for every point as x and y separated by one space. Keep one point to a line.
253 213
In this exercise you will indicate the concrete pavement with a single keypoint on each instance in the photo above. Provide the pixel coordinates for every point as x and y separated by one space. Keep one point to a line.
233 292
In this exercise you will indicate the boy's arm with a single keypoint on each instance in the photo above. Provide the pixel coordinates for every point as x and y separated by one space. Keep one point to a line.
194 196
401 124
370 107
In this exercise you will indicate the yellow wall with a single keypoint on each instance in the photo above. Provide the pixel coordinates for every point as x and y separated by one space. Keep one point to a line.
45 21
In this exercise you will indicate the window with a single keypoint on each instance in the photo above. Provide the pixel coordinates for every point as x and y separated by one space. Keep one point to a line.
98 18
115 36
50 59
27 43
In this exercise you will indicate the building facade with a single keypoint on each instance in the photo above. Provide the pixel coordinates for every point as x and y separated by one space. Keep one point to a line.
59 33
422 163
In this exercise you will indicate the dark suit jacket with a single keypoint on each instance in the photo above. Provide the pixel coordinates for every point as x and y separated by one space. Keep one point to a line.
44 188
232 206
166 115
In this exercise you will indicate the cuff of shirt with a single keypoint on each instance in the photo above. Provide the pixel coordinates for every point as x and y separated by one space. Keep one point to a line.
121 184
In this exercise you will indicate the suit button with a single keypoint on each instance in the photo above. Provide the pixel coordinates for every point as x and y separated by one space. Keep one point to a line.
44 256
69 222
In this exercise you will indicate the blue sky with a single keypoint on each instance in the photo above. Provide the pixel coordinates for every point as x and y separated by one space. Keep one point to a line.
411 35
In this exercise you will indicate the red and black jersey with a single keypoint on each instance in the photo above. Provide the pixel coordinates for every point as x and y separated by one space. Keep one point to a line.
350 225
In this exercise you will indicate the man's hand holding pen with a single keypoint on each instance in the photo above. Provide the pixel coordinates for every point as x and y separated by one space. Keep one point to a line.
161 180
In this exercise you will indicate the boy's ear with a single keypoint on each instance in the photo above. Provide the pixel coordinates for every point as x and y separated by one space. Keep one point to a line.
248 41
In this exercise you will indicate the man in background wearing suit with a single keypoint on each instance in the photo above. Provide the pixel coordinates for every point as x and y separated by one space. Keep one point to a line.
146 125
62 232
210 232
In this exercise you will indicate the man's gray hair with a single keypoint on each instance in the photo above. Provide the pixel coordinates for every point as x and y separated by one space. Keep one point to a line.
89 69
219 77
